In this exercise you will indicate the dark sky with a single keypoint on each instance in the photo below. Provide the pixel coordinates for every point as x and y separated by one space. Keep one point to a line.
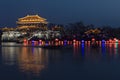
98 12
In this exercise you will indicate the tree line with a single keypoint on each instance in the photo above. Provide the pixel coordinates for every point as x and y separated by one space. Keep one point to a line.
78 30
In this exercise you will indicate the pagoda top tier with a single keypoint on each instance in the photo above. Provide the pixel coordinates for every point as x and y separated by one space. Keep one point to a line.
31 19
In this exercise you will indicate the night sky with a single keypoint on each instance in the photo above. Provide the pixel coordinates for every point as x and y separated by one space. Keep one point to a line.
98 12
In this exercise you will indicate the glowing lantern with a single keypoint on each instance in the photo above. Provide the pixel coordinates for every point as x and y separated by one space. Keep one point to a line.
56 40
114 39
110 40
25 40
74 40
93 39
40 40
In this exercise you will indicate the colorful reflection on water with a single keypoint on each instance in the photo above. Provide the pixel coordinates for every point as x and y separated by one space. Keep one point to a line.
29 59
106 50
34 60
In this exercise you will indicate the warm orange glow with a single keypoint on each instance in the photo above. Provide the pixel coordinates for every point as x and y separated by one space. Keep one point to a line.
62 42
29 62
110 40
31 22
95 31
25 40
31 19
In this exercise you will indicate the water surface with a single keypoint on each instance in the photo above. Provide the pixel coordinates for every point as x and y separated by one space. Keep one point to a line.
80 62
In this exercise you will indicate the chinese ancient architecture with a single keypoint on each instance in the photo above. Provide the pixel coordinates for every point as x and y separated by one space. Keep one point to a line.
94 31
31 22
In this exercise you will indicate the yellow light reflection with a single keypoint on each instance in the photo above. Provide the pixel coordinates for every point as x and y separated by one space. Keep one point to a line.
32 61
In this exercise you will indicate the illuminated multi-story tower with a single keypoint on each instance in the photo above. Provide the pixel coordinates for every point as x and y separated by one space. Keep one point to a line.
31 21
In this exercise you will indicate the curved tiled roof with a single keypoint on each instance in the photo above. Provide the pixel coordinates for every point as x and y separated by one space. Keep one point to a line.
31 19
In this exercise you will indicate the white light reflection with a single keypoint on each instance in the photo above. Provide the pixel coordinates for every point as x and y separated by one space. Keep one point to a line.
9 55
116 49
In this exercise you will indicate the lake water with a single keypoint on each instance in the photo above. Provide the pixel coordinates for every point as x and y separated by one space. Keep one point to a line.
80 62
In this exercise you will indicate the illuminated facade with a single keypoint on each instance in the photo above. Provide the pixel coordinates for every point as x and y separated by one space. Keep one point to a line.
95 31
31 22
